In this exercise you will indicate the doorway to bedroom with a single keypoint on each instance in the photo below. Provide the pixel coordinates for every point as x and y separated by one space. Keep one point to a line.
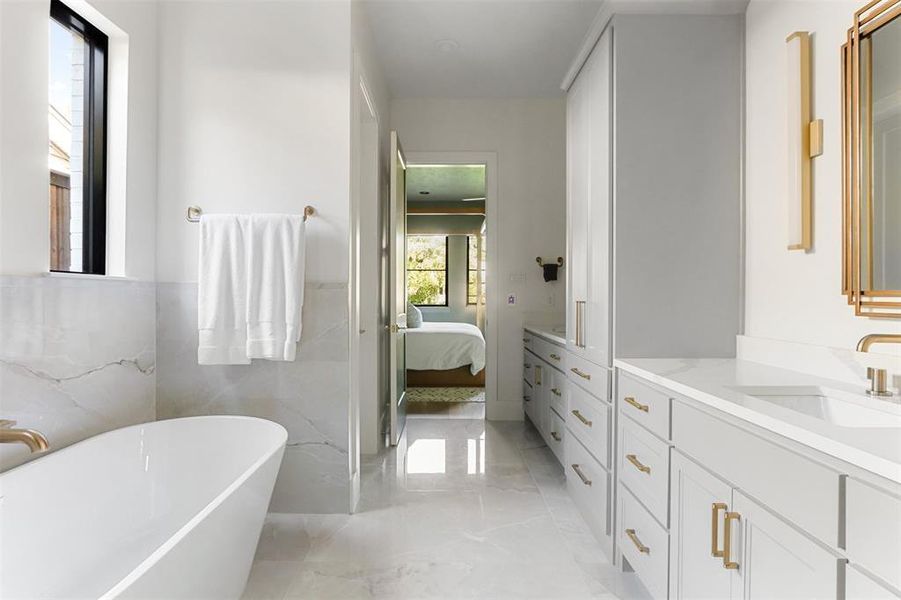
446 275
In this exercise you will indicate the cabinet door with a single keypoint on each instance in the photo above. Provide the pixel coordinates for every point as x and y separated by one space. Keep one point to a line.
578 157
596 317
777 561
699 501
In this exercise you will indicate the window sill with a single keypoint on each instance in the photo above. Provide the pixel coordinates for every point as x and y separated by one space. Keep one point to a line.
90 276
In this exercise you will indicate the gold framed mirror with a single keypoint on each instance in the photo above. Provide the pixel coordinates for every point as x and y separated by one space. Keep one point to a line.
871 165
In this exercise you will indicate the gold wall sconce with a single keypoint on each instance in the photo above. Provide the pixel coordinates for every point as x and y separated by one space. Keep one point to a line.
805 142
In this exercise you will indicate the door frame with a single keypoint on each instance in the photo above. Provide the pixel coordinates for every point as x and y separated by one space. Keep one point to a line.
493 408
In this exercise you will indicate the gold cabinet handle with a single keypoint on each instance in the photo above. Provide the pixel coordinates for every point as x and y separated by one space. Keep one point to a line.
636 404
556 436
526 340
581 475
581 374
527 398
714 528
578 324
555 356
637 464
556 392
527 365
728 563
537 374
641 547
581 417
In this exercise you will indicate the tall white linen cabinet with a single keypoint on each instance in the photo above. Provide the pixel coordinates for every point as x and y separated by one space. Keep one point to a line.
654 205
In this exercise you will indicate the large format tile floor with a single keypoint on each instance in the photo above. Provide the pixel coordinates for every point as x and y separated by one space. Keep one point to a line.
461 509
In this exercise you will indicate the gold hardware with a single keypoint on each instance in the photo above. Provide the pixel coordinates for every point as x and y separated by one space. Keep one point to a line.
878 385
578 332
395 328
581 475
877 338
637 464
541 262
195 212
581 374
556 392
35 440
556 436
537 374
715 509
641 547
816 138
526 340
527 365
555 356
581 417
728 563
803 158
527 398
636 404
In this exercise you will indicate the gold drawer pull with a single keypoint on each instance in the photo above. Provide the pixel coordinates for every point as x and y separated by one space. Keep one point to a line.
526 340
714 528
556 392
728 563
581 475
636 404
527 398
637 464
527 365
581 374
581 417
555 356
556 436
641 547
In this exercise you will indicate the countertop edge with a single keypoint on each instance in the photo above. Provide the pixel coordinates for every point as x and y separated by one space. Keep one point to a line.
545 334
855 456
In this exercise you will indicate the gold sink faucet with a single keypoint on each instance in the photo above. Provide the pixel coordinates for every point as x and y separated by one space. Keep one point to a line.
35 440
877 377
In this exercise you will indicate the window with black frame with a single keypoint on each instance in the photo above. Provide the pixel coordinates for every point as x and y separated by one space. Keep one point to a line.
77 145
473 266
427 270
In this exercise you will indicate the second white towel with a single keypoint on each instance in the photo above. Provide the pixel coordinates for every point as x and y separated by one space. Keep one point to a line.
250 288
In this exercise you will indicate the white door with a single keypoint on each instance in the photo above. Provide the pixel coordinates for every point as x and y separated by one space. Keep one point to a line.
596 317
397 290
776 561
699 503
588 134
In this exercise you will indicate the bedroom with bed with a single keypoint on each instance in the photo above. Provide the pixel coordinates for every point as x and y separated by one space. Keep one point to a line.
445 273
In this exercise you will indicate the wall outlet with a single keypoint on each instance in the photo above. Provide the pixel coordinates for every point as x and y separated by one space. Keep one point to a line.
511 299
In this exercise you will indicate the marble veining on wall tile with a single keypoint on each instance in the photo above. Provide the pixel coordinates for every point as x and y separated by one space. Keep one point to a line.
77 357
309 396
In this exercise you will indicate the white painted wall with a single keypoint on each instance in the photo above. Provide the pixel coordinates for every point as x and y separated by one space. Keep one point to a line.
254 116
796 296
24 207
528 136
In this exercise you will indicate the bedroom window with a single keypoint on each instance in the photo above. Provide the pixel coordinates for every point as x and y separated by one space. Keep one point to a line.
473 267
427 270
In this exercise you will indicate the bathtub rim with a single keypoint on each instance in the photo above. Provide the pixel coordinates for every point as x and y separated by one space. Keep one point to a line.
155 556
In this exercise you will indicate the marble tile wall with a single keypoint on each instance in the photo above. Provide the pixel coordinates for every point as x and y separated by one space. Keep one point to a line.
308 396
77 357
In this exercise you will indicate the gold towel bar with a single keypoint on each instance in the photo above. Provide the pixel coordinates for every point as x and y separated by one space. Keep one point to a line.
194 213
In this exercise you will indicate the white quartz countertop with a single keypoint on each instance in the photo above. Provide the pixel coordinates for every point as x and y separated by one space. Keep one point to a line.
556 335
718 383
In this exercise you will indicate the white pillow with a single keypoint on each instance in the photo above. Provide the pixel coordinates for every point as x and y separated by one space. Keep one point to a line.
414 316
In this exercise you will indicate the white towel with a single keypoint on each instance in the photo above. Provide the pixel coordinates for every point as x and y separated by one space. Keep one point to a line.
250 289
275 297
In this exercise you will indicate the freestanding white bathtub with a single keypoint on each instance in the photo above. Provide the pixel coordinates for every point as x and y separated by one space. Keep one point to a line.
166 510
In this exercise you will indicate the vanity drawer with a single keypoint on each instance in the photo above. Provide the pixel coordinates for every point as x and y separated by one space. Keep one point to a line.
588 484
529 361
796 487
588 375
644 543
647 404
589 421
552 354
556 433
873 530
558 393
528 339
528 399
860 587
644 468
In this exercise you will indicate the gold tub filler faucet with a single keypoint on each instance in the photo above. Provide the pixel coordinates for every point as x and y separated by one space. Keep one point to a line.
35 440
878 377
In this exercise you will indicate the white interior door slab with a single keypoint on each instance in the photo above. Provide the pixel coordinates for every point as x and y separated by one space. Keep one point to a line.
398 290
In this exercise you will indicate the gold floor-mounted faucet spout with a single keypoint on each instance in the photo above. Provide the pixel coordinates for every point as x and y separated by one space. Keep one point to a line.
35 440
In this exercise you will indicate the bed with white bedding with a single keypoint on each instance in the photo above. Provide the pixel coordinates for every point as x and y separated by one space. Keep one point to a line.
445 347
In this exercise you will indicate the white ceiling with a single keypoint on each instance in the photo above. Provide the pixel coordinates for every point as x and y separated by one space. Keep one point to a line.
506 48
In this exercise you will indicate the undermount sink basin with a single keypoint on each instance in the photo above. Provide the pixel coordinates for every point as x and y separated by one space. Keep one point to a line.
832 406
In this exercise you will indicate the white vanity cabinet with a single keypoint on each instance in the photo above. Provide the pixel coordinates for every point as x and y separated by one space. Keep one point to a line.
545 389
